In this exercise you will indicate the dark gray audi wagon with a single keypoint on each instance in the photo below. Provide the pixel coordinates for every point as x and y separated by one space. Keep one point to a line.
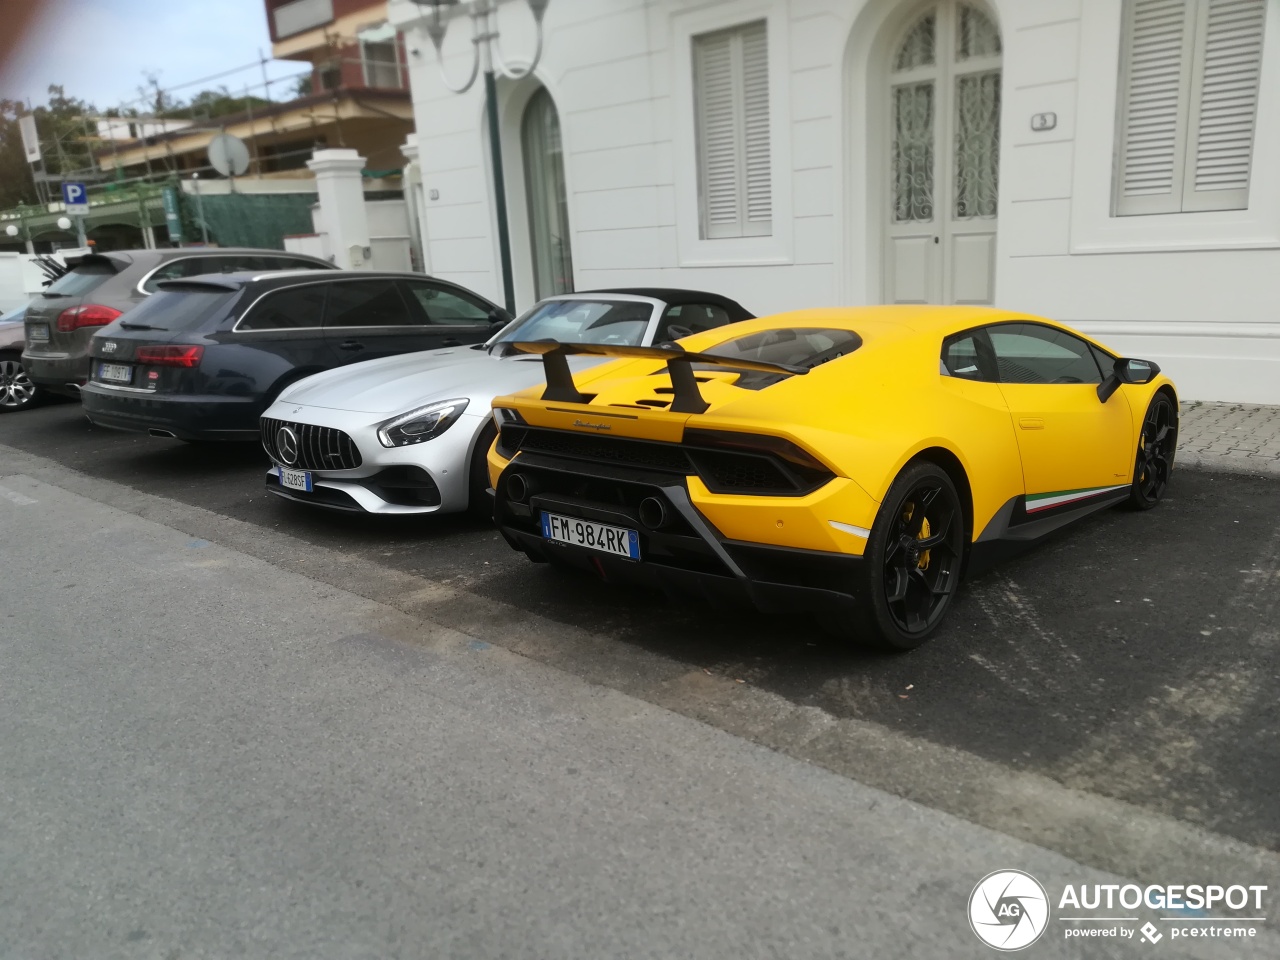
203 357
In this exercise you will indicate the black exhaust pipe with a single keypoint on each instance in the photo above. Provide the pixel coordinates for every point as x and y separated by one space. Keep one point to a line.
653 513
163 434
519 487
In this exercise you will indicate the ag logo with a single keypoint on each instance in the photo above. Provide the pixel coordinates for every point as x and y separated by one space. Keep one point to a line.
1008 910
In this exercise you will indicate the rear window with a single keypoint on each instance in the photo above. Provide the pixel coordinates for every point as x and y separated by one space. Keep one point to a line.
800 346
81 279
182 308
297 308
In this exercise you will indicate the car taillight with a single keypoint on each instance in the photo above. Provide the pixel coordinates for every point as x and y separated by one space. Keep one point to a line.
170 356
89 315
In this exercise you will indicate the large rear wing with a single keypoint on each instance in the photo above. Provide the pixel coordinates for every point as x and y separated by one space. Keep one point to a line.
686 396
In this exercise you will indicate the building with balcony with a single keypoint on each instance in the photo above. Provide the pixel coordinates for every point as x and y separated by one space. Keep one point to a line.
356 96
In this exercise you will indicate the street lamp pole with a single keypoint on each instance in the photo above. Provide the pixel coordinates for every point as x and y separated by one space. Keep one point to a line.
487 59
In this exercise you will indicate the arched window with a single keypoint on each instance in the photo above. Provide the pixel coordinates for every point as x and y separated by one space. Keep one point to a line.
547 196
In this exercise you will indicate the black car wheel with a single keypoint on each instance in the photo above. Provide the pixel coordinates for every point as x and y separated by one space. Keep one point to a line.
1156 446
912 563
477 488
17 391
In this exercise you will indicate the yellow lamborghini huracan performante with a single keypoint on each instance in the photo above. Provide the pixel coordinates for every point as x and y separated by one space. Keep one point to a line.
849 463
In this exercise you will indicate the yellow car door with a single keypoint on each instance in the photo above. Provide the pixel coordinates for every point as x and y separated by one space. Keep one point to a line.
1073 446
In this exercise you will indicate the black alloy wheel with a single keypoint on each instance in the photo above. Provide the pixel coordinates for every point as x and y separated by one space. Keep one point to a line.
17 390
913 558
1156 446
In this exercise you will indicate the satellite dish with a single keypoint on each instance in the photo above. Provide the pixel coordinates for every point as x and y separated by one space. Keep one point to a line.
228 155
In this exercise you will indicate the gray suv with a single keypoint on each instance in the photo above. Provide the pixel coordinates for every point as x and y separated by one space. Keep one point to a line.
100 287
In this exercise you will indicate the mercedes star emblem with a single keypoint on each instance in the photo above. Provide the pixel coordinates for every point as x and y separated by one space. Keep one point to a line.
287 445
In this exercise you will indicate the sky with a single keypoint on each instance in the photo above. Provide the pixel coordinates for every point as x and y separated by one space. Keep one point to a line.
99 50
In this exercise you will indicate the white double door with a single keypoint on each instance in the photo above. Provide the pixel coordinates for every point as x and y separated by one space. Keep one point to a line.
944 147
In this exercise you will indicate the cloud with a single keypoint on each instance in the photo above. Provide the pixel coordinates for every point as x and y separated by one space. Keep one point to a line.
99 50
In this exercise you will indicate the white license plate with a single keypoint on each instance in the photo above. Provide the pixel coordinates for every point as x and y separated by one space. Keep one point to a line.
619 541
38 331
115 372
295 479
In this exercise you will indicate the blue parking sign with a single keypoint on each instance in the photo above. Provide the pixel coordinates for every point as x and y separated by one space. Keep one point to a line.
75 196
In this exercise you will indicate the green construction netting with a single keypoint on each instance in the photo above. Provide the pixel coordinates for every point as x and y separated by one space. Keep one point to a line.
251 220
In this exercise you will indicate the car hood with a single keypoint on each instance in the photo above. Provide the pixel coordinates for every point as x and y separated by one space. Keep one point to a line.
394 384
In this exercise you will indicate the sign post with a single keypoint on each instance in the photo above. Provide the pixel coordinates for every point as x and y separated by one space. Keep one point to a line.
172 219
75 197
31 147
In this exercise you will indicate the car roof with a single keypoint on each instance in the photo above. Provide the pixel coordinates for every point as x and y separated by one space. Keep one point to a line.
890 319
239 278
168 253
675 297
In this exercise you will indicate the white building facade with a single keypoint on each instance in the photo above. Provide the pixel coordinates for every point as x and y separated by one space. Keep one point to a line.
1114 164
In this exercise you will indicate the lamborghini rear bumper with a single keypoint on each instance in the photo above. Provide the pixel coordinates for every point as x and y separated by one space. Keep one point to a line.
686 556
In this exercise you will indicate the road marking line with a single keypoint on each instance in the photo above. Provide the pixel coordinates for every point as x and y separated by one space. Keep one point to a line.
16 497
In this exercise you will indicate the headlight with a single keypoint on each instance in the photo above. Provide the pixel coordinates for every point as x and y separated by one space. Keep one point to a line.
421 424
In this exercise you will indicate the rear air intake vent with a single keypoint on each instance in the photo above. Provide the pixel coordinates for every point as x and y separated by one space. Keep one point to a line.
759 470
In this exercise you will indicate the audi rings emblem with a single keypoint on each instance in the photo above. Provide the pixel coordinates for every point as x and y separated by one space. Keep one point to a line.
287 445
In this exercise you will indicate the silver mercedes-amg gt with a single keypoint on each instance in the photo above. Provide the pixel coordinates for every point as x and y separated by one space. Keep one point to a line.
409 434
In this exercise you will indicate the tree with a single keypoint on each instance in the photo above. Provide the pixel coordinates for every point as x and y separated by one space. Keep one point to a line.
66 144
208 104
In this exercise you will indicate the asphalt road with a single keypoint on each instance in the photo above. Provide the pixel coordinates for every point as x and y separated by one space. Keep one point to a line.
206 755
1134 657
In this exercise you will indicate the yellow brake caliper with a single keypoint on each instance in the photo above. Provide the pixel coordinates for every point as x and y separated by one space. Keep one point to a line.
907 513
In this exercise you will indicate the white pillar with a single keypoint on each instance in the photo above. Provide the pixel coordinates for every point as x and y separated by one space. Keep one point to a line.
341 192
415 202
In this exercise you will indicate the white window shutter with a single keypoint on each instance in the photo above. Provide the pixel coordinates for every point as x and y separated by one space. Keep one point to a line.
1224 104
731 94
1155 85
717 135
755 103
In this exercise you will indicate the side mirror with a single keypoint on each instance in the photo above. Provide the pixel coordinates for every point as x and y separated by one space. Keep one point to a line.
1136 371
1127 370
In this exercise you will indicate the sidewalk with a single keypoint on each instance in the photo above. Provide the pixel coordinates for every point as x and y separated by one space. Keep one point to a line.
1232 437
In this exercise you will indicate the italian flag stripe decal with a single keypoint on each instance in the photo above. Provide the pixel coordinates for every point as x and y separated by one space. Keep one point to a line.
1043 501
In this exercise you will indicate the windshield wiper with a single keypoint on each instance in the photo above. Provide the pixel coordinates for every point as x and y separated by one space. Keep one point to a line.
126 325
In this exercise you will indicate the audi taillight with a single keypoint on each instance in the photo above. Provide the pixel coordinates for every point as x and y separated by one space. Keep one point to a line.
89 315
170 356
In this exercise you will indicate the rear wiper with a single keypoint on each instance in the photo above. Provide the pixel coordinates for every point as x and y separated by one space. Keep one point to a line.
126 325
52 296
